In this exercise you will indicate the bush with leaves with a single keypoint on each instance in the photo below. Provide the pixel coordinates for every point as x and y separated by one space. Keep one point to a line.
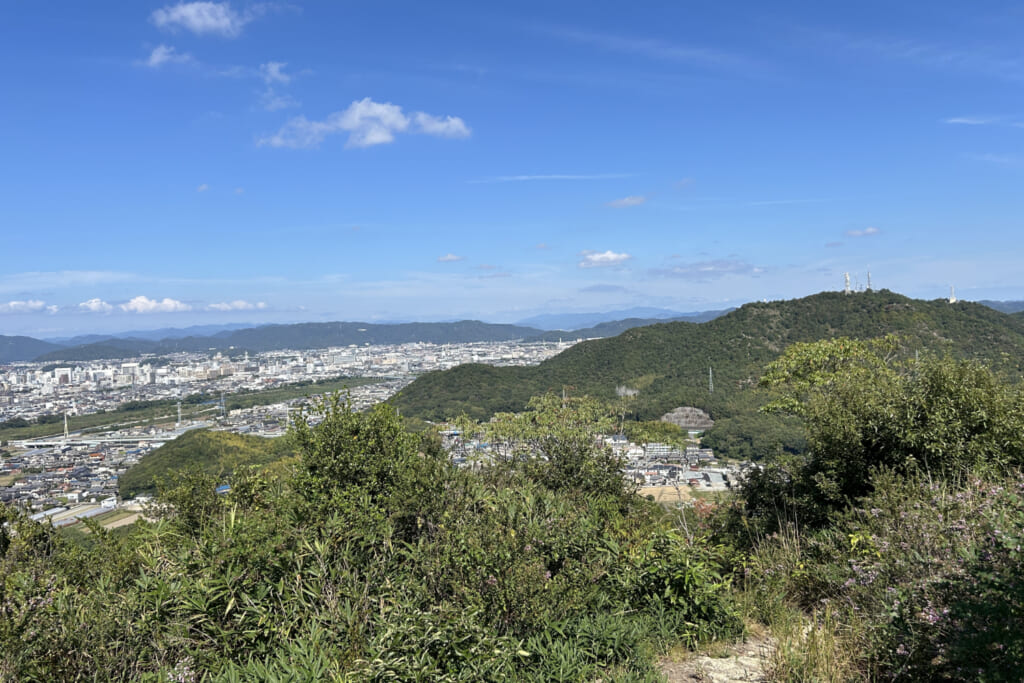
866 405
373 559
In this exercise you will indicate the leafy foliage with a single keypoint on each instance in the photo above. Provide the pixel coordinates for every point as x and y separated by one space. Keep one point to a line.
374 559
865 409
214 453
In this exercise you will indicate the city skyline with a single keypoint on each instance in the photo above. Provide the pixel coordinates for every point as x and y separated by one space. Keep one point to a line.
176 164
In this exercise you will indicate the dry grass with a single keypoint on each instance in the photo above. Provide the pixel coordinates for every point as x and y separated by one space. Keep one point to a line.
667 494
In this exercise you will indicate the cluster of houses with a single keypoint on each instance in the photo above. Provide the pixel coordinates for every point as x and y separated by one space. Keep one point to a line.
62 475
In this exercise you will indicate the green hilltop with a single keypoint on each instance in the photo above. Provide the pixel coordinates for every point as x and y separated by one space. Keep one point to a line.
215 453
668 363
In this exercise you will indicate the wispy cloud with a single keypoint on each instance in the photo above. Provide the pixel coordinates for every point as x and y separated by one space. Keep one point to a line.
833 245
601 259
143 304
999 159
651 48
775 202
271 100
167 54
703 271
367 123
36 281
552 176
866 232
205 18
274 77
202 187
970 59
273 72
237 305
605 289
626 202
29 306
972 120
95 306
449 258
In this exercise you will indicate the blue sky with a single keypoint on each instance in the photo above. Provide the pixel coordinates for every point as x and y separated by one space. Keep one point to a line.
194 163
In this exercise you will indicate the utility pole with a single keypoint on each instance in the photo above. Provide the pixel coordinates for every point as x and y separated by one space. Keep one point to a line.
711 380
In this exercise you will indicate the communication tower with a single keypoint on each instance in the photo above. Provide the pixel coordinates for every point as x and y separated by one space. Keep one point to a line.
846 281
952 295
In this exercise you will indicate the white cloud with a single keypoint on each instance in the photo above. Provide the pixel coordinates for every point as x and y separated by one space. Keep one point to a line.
237 305
143 304
601 259
368 123
30 306
702 271
625 202
202 17
95 306
203 188
239 190
442 127
167 54
448 258
866 232
273 72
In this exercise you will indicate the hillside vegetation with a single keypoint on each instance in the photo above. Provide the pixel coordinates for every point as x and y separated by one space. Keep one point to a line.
217 454
372 559
892 549
668 363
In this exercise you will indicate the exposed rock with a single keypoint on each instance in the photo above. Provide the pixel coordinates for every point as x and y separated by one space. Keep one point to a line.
744 663
687 417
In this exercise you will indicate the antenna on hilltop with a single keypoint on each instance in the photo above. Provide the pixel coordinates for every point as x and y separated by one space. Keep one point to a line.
869 279
846 281
952 295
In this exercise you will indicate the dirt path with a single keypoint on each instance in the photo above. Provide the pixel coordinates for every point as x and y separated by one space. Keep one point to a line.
124 521
742 663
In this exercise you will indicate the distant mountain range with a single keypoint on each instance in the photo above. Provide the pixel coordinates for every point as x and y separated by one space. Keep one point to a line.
239 337
1004 306
152 335
295 336
577 321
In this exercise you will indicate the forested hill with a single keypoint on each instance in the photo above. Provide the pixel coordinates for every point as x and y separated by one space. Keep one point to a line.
668 363
22 348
